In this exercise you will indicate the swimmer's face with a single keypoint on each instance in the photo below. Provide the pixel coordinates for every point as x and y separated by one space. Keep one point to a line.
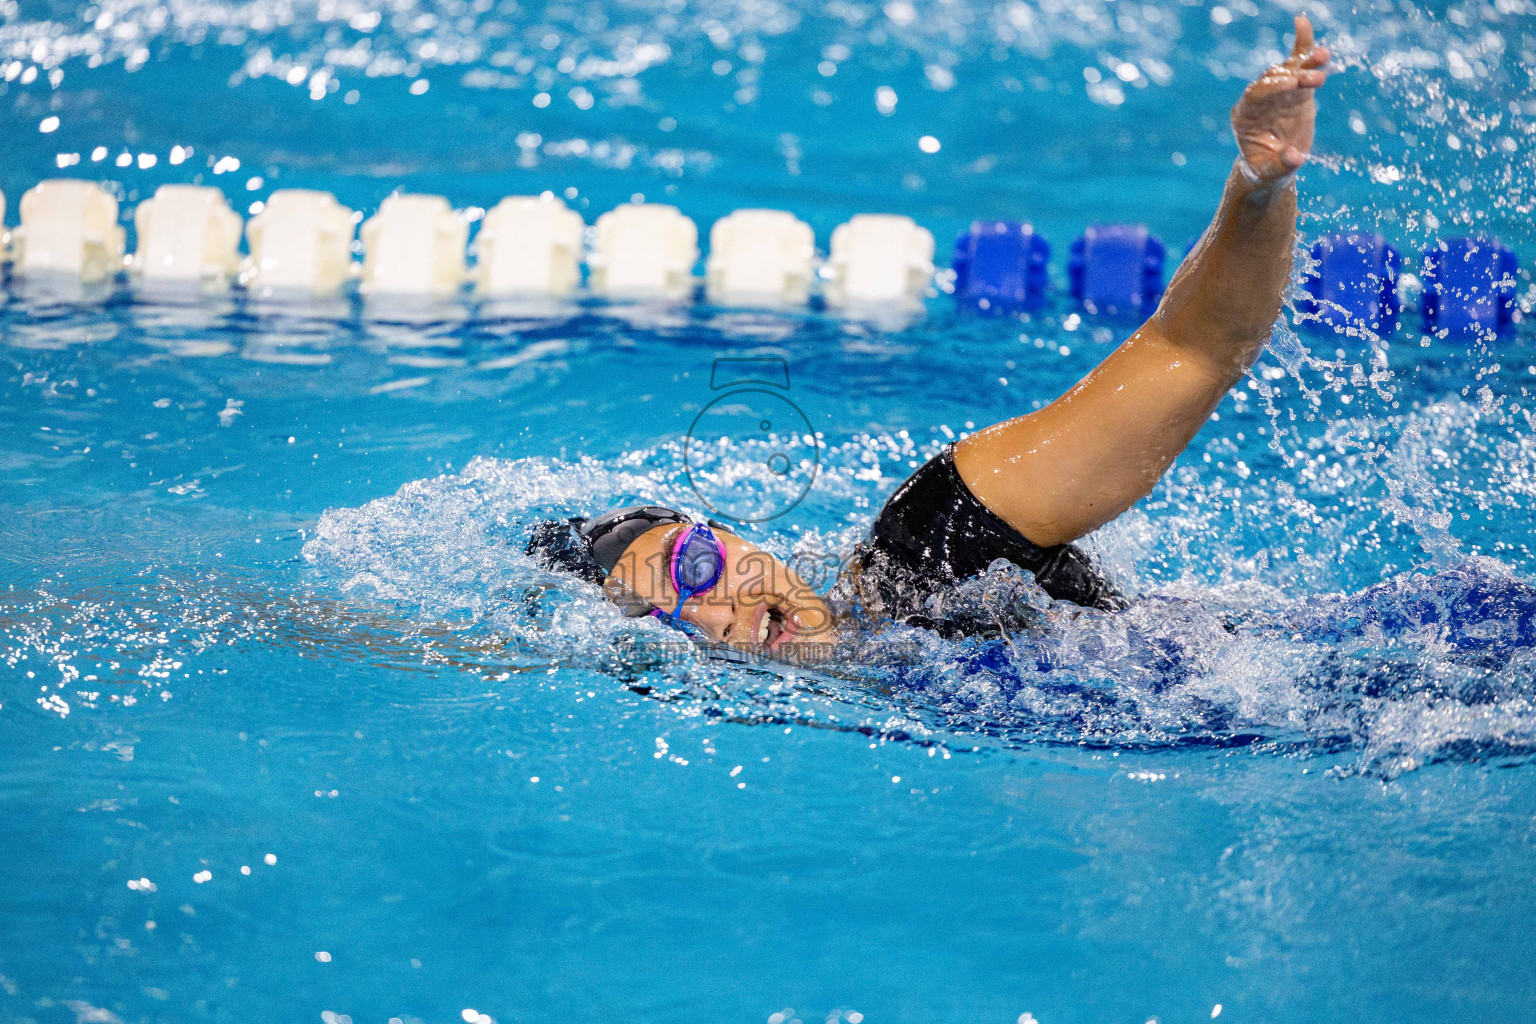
760 604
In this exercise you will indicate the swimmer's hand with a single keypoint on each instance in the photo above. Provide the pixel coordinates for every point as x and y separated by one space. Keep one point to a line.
1273 120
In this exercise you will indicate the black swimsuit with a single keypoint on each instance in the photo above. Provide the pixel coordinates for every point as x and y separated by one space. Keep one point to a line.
934 533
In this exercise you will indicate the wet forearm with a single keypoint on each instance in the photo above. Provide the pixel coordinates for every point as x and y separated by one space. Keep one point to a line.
1225 296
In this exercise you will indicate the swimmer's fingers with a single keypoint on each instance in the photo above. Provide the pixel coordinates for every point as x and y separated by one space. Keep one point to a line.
1273 85
1312 71
1285 78
1304 39
1277 79
1307 55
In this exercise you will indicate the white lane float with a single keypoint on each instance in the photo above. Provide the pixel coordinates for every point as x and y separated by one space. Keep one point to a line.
414 245
643 250
760 257
529 245
187 233
879 258
68 228
301 241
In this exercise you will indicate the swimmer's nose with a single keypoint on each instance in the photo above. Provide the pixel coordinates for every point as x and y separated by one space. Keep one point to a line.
716 615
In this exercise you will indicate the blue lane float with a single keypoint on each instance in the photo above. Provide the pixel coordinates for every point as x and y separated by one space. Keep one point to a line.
1469 286
1353 282
1001 265
1117 269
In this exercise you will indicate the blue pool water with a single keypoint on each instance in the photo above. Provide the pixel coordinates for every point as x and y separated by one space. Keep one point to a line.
292 731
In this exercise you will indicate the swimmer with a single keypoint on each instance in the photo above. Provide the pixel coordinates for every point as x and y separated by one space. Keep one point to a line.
1025 489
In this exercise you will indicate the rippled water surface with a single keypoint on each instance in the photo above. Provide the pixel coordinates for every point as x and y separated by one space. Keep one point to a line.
293 731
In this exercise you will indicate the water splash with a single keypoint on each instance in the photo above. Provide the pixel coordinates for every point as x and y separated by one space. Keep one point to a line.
1427 665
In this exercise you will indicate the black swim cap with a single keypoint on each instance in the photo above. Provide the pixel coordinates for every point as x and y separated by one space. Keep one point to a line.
590 548
609 535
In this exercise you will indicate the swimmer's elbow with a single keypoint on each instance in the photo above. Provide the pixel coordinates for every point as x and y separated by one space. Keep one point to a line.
1222 339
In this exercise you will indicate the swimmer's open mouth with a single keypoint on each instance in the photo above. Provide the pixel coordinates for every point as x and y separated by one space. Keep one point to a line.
772 627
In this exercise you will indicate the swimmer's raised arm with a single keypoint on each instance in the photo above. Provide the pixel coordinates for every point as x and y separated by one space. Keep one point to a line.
1059 473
